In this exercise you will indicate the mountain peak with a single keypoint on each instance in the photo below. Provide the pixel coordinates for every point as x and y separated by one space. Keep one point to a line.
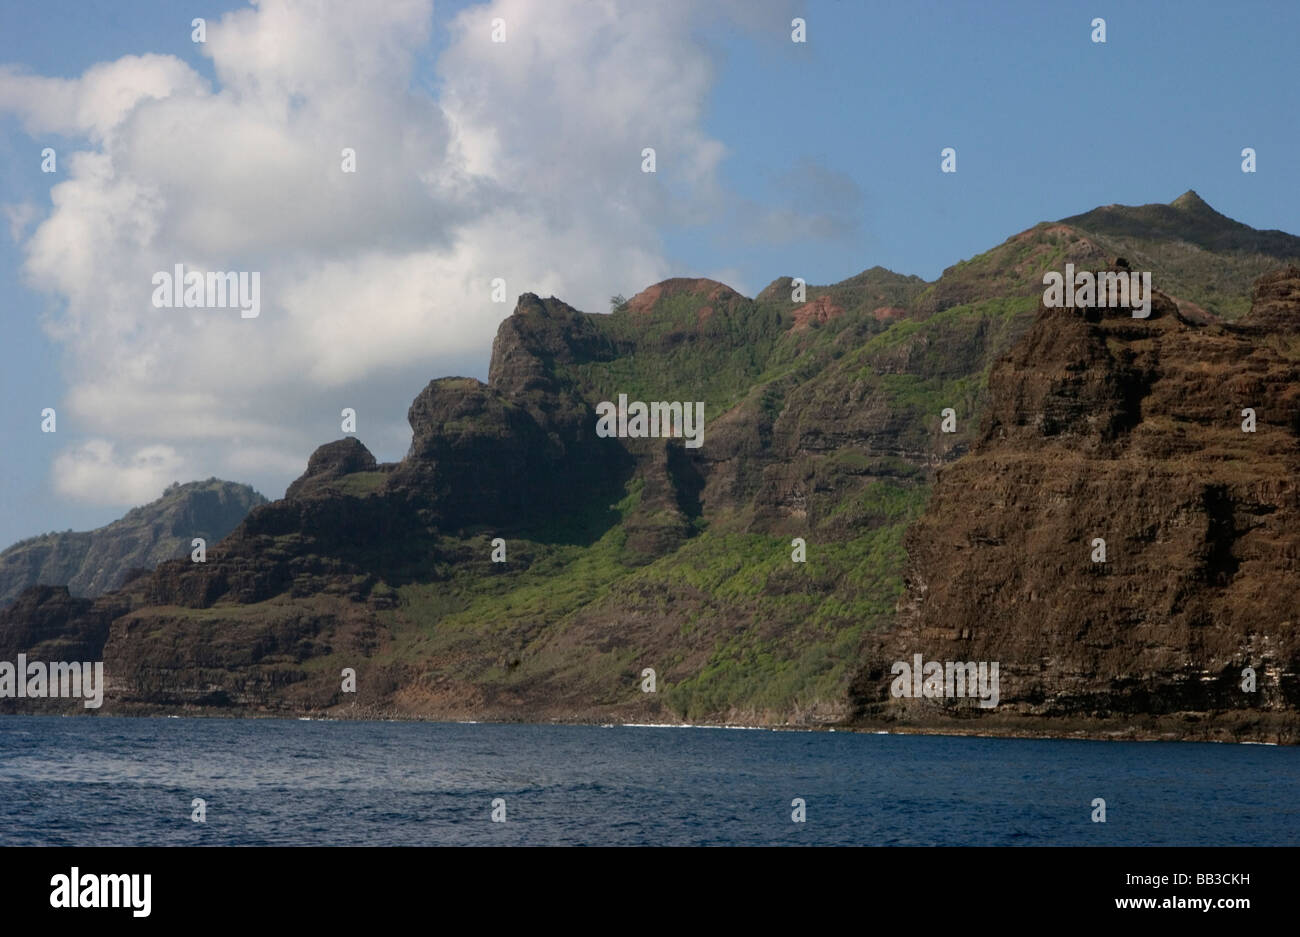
708 291
1190 201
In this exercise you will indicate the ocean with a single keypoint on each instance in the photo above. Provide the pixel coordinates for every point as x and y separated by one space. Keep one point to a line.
89 781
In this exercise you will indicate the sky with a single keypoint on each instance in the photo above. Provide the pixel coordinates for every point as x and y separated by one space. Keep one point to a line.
522 160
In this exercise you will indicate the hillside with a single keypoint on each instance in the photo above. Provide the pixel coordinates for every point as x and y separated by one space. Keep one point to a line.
93 562
822 422
1205 261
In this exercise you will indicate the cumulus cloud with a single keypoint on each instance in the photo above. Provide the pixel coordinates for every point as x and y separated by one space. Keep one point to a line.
97 102
94 472
20 215
523 164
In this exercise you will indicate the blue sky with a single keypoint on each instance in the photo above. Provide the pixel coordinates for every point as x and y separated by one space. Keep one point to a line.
815 160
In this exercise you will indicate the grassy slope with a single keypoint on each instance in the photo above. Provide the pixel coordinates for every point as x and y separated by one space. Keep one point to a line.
801 624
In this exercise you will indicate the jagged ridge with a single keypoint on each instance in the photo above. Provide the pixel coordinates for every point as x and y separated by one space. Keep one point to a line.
822 423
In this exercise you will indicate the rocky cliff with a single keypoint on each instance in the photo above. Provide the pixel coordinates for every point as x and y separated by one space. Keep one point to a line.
517 565
1124 536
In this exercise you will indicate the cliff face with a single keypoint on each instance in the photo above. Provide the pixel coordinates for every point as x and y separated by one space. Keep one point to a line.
94 562
1128 431
47 624
516 565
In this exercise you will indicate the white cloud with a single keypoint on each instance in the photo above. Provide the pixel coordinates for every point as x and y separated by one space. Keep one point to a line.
20 215
93 472
100 100
526 166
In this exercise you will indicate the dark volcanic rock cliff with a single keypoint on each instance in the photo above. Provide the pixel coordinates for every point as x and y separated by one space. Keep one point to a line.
47 624
1129 431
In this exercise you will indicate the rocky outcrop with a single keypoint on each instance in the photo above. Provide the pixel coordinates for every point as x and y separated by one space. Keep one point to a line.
472 454
329 463
1275 299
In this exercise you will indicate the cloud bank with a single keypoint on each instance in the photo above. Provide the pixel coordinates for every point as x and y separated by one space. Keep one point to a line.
518 159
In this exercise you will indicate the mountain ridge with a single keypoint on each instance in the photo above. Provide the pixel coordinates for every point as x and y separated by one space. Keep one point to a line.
93 562
823 424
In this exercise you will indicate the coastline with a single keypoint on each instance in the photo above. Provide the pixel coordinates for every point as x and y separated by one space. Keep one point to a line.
1271 729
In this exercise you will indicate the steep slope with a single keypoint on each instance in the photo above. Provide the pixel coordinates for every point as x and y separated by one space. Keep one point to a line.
1204 260
93 562
1204 257
1130 431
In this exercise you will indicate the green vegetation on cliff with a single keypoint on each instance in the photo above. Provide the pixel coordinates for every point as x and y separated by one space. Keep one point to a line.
822 423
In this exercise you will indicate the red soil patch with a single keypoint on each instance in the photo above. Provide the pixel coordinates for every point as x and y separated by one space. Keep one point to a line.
710 290
818 310
644 301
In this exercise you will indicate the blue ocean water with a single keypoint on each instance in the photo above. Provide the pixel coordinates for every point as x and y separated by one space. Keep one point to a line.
116 781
